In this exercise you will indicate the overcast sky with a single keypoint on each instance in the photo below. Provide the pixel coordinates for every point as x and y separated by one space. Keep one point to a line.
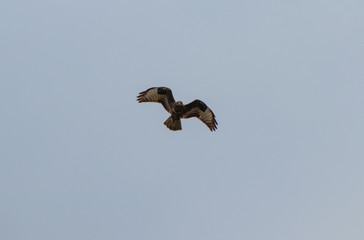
81 159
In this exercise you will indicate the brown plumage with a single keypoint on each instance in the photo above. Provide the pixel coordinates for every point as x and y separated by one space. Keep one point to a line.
178 110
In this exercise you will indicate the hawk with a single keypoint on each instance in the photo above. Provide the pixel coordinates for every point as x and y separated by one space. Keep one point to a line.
178 110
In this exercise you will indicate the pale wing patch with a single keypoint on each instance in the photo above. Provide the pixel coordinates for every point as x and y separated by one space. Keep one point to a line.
150 95
208 118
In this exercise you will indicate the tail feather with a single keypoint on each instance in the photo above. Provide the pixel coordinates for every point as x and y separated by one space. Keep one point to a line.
174 125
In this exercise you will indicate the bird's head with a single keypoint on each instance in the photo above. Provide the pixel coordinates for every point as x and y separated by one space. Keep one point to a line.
178 107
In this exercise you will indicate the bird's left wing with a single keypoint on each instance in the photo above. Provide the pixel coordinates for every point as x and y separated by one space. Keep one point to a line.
161 95
200 110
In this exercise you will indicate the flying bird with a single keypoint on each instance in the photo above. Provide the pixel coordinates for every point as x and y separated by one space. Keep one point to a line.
178 110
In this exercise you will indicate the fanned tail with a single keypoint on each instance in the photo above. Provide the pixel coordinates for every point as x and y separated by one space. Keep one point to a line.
174 125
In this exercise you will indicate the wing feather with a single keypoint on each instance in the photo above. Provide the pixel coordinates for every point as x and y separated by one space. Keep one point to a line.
200 110
161 95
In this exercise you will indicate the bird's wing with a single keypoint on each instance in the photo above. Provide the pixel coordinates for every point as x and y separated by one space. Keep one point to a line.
200 110
161 95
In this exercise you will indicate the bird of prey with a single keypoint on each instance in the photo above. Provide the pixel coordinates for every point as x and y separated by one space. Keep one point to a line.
178 110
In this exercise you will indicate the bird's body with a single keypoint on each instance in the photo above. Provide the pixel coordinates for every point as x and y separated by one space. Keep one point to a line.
178 110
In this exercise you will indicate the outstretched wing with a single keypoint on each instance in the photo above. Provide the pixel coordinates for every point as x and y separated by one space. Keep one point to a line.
161 95
200 110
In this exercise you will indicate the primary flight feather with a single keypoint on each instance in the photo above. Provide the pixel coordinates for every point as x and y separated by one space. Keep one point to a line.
178 110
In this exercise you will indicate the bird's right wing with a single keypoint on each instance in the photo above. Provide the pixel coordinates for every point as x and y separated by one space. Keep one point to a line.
161 95
200 110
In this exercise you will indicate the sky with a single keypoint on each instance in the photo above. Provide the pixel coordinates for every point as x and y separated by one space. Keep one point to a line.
81 159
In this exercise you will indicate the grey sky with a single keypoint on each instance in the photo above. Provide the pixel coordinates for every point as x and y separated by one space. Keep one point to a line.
81 159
